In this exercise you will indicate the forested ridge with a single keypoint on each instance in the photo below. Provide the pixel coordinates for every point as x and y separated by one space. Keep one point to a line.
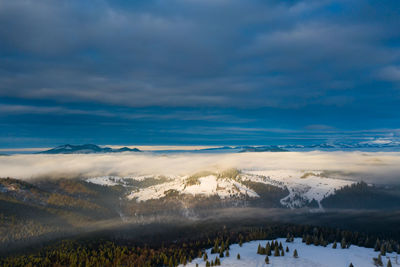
158 251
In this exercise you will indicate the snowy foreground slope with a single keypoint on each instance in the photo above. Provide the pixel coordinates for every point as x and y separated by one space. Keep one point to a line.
309 256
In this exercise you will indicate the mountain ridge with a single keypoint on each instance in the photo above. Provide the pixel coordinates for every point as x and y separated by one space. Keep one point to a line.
86 149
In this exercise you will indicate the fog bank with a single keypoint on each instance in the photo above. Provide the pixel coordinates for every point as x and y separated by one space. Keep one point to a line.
380 167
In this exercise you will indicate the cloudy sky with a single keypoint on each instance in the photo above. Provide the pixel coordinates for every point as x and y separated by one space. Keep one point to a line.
198 71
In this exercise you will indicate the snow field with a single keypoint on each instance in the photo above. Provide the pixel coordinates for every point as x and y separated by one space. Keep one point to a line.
309 256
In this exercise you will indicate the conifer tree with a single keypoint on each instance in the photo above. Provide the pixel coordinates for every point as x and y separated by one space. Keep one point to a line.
366 242
276 252
316 241
287 249
266 259
288 237
380 260
334 245
207 264
343 243
268 249
171 262
351 265
205 257
383 250
308 240
259 249
377 246
238 256
321 240
295 255
389 263
221 254
227 253
389 248
282 253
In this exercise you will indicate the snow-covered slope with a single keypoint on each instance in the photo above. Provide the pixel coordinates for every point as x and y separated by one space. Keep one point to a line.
308 256
304 187
204 186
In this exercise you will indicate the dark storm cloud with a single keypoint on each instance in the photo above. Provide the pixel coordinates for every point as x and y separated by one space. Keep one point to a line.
185 53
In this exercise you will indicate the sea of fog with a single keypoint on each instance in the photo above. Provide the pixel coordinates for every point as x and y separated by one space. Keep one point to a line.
376 167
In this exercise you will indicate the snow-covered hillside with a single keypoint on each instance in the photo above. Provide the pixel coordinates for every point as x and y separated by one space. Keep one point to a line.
304 187
204 186
308 255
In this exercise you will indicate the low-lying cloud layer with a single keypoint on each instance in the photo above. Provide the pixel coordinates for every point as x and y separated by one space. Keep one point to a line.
378 167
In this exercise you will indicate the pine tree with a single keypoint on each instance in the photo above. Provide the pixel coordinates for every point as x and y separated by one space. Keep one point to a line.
266 259
383 250
276 252
351 265
321 240
389 264
205 257
227 253
238 256
287 249
380 260
295 255
343 243
308 240
377 246
207 264
334 244
282 253
316 241
259 249
389 248
268 249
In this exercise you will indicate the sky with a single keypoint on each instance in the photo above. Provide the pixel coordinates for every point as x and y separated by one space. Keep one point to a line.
198 72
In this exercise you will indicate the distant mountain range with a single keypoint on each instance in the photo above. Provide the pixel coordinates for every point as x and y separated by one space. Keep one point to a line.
372 145
241 149
86 149
378 144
